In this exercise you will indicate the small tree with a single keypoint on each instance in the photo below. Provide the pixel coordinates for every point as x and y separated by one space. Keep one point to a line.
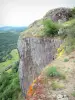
50 28
73 12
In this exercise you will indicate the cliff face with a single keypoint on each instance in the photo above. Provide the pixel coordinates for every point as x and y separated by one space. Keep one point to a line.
36 52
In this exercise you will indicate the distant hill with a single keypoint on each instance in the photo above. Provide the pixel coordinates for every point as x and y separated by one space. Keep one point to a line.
8 40
12 28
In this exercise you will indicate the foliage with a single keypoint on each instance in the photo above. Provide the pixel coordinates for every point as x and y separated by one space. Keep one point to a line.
15 67
50 28
66 60
73 93
68 34
8 41
73 12
9 86
12 61
52 72
68 29
9 80
69 22
69 45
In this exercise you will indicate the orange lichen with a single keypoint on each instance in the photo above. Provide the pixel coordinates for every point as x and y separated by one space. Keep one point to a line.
31 88
35 88
30 91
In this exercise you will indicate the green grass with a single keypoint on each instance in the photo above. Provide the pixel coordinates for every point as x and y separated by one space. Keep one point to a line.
67 33
66 60
52 71
74 61
9 80
55 85
15 57
73 93
69 23
9 86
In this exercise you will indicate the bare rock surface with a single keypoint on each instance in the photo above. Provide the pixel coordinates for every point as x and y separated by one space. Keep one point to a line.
35 54
59 14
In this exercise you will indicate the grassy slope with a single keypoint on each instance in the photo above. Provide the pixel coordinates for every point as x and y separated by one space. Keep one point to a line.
68 23
15 57
11 72
14 80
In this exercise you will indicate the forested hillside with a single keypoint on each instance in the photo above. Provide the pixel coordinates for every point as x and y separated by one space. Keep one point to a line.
8 41
9 62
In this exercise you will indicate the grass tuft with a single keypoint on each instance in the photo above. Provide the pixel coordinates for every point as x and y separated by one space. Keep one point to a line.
66 60
73 93
55 85
53 72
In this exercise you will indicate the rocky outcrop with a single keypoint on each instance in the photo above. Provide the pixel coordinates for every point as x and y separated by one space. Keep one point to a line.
35 54
36 51
62 97
59 14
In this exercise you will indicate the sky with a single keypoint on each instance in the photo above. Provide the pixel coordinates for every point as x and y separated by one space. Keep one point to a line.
24 12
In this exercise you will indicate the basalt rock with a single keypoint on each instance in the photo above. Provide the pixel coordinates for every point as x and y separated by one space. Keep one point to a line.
35 54
59 14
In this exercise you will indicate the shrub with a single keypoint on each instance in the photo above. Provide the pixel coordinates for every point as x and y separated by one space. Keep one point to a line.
73 93
68 29
50 28
66 60
9 86
62 33
68 34
52 71
15 66
73 12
